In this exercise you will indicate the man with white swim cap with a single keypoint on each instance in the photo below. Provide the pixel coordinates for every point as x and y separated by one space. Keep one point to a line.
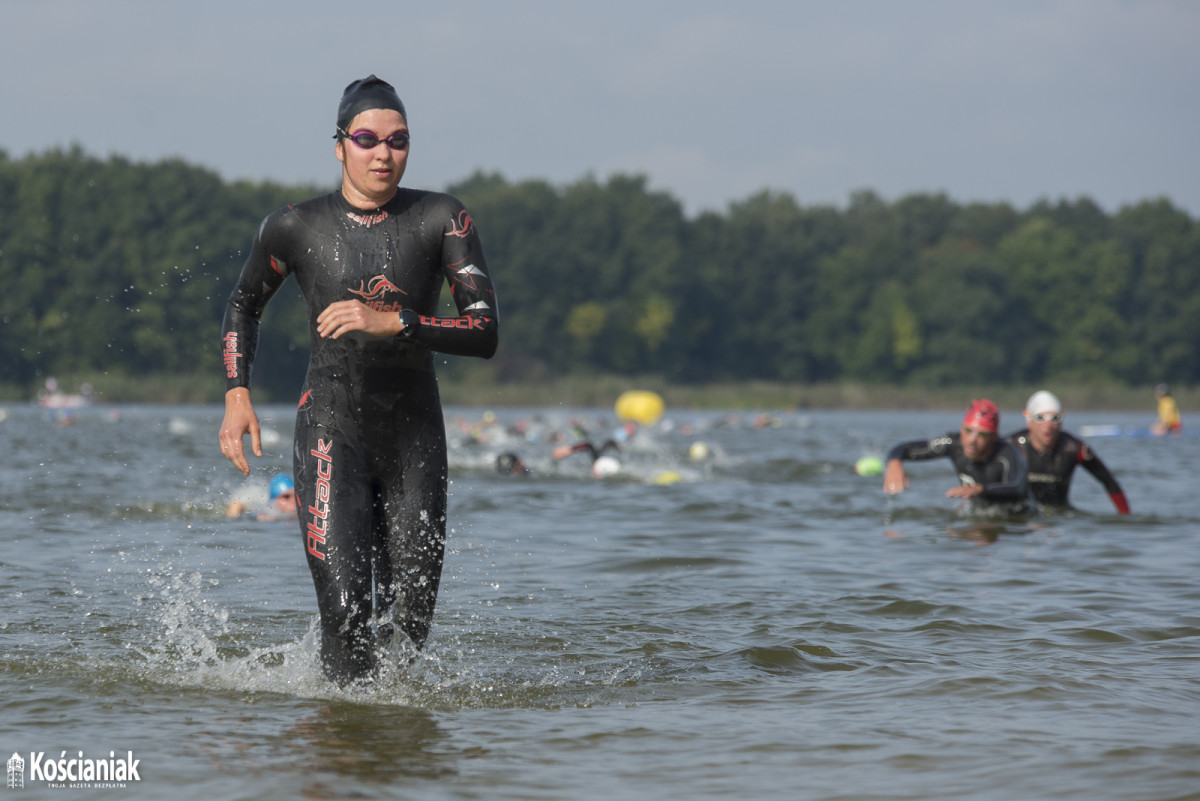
1053 455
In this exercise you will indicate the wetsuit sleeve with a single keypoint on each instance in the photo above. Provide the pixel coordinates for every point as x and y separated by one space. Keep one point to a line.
919 449
1014 479
1092 463
475 331
586 446
261 277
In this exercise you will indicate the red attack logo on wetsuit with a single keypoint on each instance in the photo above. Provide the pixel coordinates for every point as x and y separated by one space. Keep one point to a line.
318 530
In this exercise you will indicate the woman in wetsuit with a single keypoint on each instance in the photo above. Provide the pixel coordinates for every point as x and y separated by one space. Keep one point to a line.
370 443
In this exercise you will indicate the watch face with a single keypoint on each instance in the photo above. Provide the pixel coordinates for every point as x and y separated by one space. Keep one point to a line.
410 320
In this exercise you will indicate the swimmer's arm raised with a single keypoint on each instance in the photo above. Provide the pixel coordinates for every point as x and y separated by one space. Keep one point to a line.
895 480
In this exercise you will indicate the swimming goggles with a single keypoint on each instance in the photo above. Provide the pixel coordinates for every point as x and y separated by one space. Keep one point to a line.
367 140
1046 418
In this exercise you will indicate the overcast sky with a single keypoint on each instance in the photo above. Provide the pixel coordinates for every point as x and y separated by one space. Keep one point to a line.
988 100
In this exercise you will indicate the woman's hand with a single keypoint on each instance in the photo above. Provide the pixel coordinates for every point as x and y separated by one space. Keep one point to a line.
354 315
239 421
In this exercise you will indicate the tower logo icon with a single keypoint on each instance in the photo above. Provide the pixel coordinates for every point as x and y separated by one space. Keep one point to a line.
16 772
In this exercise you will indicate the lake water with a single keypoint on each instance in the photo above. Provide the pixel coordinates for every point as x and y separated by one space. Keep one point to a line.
761 623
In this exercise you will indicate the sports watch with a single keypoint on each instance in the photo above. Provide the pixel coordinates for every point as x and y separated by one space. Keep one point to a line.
411 321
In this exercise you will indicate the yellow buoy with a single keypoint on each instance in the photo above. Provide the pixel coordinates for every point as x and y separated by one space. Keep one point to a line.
640 406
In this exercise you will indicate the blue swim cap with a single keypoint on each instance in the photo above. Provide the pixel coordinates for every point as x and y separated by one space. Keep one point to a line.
280 484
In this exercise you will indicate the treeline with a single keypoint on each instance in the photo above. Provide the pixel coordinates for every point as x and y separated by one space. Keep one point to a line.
124 268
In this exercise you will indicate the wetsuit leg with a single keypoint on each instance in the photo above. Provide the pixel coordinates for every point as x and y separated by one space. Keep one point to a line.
336 525
373 513
412 481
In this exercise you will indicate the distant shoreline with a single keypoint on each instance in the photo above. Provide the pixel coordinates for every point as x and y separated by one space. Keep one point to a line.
479 390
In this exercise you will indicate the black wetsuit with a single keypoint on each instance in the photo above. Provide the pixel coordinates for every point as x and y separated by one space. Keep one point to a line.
370 440
1050 473
1003 475
594 452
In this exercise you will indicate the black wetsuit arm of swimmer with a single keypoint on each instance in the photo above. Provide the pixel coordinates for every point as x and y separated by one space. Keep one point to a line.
1007 474
585 446
920 449
260 278
475 331
1093 464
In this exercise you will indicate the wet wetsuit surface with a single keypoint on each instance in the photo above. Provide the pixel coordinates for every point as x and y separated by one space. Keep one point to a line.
1003 475
370 443
1050 473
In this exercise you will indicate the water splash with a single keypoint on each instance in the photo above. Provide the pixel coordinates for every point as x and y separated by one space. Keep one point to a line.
196 642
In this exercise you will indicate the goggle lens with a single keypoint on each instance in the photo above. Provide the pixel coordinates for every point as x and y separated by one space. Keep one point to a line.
367 140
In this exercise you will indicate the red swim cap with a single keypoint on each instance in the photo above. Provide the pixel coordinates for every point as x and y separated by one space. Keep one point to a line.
983 415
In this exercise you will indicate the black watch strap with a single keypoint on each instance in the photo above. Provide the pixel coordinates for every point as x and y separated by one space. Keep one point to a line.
411 321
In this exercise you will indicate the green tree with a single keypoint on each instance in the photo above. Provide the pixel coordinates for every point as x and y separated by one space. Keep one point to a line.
124 268
975 331
1163 305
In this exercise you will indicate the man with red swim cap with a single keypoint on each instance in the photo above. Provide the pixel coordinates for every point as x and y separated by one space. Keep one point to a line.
992 473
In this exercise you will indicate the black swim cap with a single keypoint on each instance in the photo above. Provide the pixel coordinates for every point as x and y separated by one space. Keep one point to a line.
364 95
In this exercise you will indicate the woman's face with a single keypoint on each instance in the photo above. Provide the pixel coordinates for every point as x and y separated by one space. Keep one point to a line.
370 175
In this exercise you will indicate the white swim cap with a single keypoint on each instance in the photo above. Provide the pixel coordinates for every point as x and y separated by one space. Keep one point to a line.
1043 402
606 466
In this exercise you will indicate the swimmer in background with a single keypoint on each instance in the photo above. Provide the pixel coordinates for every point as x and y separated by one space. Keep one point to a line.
283 502
992 473
603 465
1052 455
509 464
1168 421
